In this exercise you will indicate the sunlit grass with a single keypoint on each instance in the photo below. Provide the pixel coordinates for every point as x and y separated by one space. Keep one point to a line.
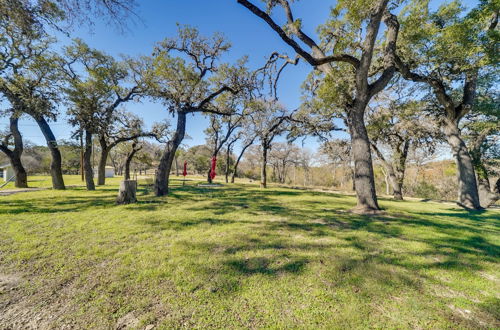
239 256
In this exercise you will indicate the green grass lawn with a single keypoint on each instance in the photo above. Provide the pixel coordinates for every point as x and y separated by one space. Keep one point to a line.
239 256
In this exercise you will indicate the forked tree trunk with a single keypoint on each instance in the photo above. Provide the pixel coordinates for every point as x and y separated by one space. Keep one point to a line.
14 155
87 162
468 195
364 182
163 172
56 163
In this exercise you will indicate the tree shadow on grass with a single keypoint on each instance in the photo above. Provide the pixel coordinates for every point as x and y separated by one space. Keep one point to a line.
266 265
158 225
48 205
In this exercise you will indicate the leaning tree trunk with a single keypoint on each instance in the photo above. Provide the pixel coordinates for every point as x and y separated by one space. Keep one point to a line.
56 163
127 163
468 195
163 172
263 168
364 181
103 158
235 169
87 162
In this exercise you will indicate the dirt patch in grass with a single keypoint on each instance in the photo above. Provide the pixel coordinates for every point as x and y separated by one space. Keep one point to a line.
21 310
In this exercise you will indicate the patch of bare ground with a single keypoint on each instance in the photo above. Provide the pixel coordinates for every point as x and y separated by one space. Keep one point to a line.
8 192
21 310
51 307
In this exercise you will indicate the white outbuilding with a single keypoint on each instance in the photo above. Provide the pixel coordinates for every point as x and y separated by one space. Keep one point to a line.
6 172
109 172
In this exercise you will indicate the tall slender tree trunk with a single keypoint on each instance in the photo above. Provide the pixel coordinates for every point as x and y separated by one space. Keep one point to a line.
364 182
56 163
263 168
468 195
87 162
103 158
14 155
163 172
228 158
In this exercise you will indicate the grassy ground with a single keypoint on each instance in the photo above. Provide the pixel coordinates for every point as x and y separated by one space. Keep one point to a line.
239 256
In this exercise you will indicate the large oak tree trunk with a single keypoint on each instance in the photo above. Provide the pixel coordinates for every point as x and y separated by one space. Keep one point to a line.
87 162
364 181
163 172
56 164
468 195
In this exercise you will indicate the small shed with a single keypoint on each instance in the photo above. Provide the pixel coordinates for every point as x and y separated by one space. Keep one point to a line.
109 172
6 172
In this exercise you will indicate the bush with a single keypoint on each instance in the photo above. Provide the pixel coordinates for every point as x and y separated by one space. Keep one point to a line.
426 190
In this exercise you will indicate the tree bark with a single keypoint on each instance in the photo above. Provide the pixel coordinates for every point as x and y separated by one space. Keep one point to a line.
364 182
468 195
228 158
176 166
103 157
263 169
127 192
235 169
128 161
14 155
56 163
87 162
163 172
209 178
487 194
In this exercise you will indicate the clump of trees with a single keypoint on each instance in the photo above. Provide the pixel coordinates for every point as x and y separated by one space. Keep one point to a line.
390 83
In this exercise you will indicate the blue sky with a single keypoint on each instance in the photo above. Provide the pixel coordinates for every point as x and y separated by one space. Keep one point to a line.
247 34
